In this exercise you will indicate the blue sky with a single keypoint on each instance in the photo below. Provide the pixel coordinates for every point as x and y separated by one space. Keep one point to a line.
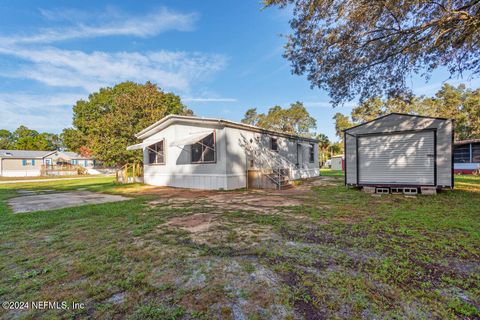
221 57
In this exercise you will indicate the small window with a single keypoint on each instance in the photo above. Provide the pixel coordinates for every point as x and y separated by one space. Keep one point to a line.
312 153
156 153
476 152
33 162
204 150
274 144
461 154
24 163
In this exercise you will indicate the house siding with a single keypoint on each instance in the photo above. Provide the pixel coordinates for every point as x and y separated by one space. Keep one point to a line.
178 171
15 168
233 150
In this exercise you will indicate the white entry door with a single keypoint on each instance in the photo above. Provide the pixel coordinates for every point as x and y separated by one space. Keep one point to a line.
404 158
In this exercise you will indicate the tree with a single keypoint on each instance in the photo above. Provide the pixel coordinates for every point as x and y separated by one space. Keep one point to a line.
24 138
368 48
5 139
106 123
251 117
293 120
37 142
23 132
73 139
54 141
342 122
458 103
323 145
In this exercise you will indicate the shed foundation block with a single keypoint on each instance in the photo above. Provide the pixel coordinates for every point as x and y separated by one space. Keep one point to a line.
428 191
369 189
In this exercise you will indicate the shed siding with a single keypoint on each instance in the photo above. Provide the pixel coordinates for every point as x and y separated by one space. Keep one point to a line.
405 158
350 159
401 123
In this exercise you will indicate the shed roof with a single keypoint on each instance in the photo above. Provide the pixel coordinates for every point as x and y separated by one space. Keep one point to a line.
394 114
170 119
460 142
29 154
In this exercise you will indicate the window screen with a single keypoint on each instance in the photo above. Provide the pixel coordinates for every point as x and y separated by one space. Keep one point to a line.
156 153
312 153
461 154
274 144
476 152
204 150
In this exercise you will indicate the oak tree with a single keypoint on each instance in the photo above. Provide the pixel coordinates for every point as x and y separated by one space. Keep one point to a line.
292 120
365 48
106 122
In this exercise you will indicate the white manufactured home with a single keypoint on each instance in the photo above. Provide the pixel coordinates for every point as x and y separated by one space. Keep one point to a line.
202 153
400 150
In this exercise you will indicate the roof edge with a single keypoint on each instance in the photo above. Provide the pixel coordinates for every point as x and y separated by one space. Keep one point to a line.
394 113
232 124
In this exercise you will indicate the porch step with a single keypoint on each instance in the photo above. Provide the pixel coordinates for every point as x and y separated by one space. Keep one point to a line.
287 186
280 177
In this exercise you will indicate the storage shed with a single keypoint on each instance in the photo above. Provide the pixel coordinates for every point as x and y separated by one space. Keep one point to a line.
337 162
400 151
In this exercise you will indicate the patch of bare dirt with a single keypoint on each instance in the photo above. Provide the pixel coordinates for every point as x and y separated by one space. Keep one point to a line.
261 202
324 181
225 287
199 222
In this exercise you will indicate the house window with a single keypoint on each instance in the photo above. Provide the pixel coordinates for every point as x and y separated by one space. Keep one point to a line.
461 154
24 163
312 153
204 150
33 162
156 153
274 144
476 152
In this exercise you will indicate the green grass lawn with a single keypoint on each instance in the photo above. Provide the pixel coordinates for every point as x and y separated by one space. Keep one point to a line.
341 254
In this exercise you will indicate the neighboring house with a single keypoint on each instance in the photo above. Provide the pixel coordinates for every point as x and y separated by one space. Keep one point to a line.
22 163
337 162
466 156
201 153
27 163
400 150
73 158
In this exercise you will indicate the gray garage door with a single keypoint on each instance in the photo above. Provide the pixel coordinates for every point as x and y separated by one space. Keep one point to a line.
406 158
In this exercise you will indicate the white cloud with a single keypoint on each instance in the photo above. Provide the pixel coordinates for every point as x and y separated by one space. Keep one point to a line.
40 112
173 70
118 24
33 57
